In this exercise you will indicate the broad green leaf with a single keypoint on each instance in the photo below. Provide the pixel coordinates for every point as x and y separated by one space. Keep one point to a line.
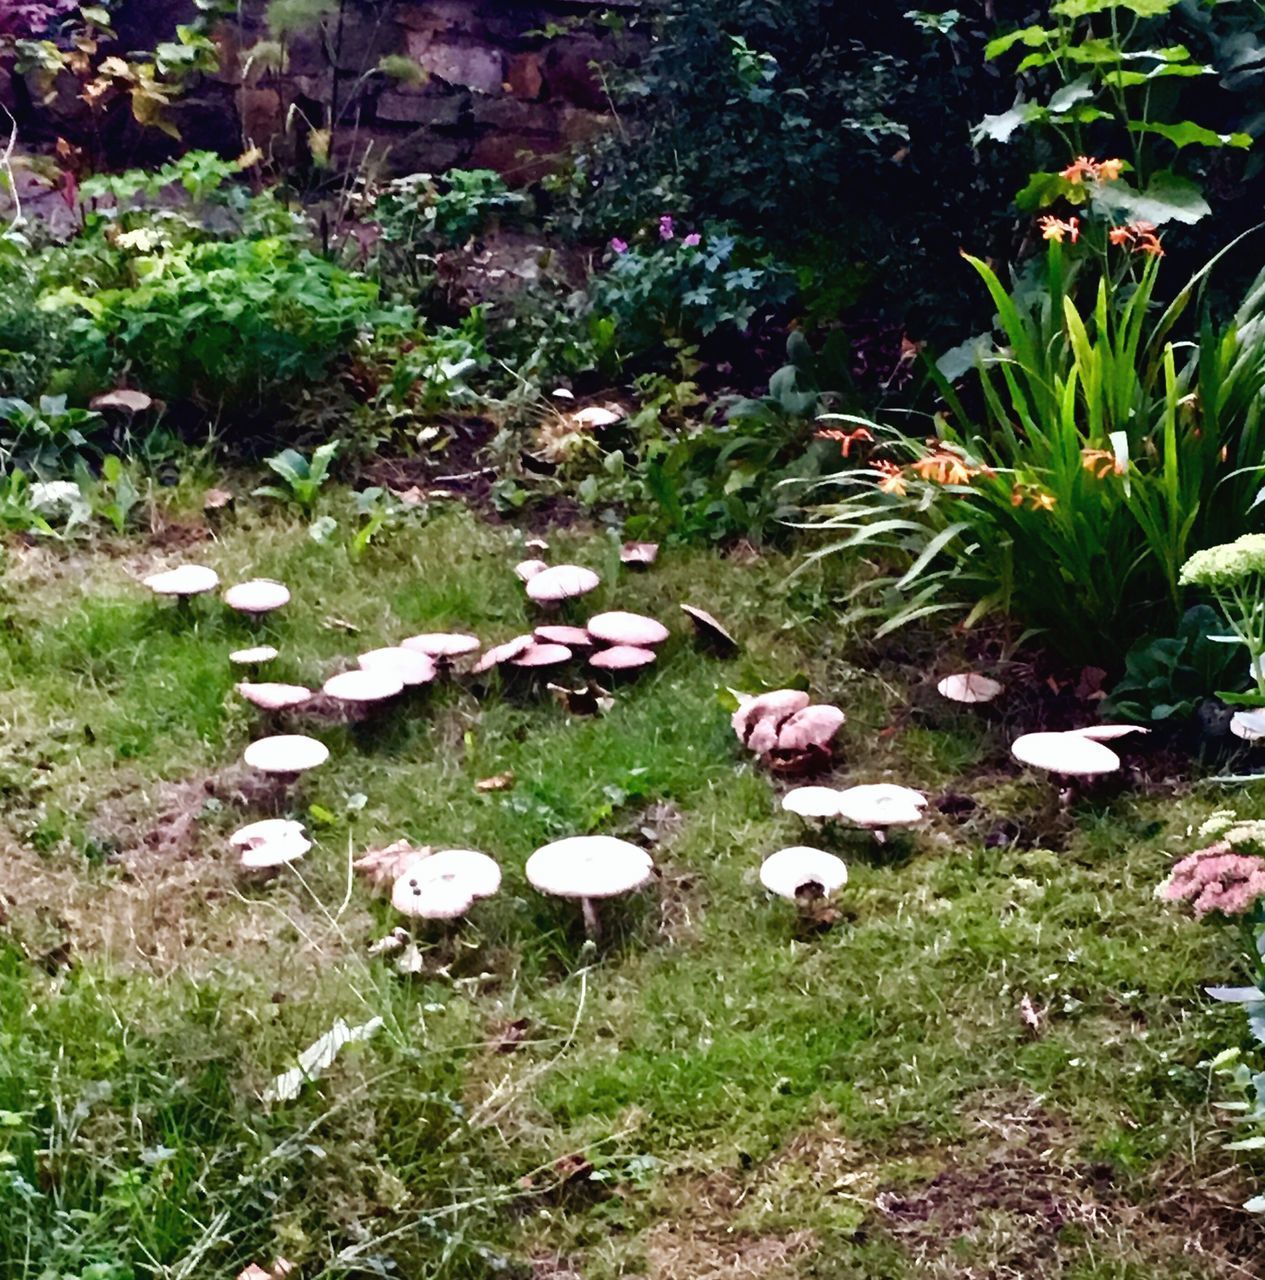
1131 79
1000 128
1190 134
1032 37
1084 8
1070 94
1167 198
1042 190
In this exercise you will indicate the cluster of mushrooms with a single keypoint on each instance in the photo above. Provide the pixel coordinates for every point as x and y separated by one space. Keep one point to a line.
783 728
444 884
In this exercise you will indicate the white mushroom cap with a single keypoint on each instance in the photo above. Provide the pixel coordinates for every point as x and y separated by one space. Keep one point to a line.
631 629
572 637
812 802
442 644
1070 754
643 553
1248 725
412 667
444 885
788 871
589 867
1109 732
562 582
814 726
881 804
122 398
271 696
363 686
186 580
500 653
270 843
286 753
969 687
542 655
252 657
526 570
259 595
622 657
598 415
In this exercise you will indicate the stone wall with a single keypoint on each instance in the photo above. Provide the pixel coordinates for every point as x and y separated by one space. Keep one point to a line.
499 84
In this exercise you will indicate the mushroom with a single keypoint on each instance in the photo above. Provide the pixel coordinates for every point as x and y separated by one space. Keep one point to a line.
130 401
442 646
257 597
541 655
1069 755
639 554
286 755
812 802
254 657
589 868
800 874
183 582
526 570
572 637
1248 725
562 582
1109 732
412 667
969 688
622 657
361 688
269 696
881 805
631 629
599 415
804 740
445 885
501 653
770 710
709 631
270 843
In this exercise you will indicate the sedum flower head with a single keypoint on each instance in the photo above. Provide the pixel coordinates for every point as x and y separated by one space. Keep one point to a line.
1217 879
1226 565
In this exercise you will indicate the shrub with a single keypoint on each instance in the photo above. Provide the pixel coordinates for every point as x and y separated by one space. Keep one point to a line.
1103 454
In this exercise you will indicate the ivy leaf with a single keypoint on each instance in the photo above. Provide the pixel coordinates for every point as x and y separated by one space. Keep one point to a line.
1000 128
1070 94
1168 198
1190 134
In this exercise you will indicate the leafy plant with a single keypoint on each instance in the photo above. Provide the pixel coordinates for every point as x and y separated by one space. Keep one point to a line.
303 477
47 438
1234 574
1103 455
1167 677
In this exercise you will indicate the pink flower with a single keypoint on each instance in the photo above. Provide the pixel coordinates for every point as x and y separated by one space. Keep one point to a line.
692 240
667 228
618 245
1217 879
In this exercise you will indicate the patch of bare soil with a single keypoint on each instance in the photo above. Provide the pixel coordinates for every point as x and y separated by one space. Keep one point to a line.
465 471
680 1251
159 900
1016 1202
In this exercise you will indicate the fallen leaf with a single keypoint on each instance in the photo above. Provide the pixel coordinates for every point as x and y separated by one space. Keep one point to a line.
1029 1016
393 941
319 1055
497 782
510 1035
412 961
216 500
383 867
411 497
340 624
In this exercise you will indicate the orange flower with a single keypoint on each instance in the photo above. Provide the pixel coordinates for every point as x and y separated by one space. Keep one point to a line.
1056 229
893 480
1101 463
1036 498
1042 501
1140 236
944 468
846 439
1119 235
1110 170
1080 169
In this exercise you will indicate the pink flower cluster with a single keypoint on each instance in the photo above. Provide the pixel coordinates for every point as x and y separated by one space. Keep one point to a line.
667 231
1217 879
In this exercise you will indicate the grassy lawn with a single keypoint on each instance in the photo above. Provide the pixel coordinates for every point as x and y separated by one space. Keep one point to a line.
714 1092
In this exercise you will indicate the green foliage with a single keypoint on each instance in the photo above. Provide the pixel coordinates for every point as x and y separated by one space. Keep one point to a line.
1104 454
1166 678
47 438
304 477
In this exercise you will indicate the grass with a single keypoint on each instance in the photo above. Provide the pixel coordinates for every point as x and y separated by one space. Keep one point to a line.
713 1093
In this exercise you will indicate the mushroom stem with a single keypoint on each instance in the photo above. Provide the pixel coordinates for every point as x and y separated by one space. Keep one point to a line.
592 925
